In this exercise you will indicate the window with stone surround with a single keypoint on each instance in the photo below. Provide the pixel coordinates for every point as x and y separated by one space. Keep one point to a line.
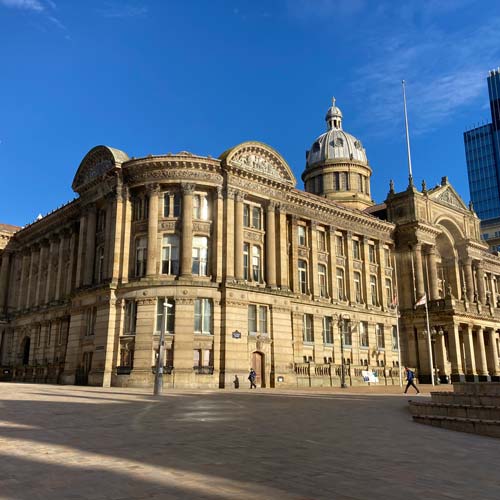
339 245
395 343
130 317
141 254
200 206
327 330
256 264
200 256
372 255
356 252
321 240
341 284
388 292
323 289
100 220
363 334
257 319
374 290
302 270
140 208
252 215
203 316
379 334
357 287
172 203
170 321
203 361
307 328
170 254
90 321
302 235
99 264
246 261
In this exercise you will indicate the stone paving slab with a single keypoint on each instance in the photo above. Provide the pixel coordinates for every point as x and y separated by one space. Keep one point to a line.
65 442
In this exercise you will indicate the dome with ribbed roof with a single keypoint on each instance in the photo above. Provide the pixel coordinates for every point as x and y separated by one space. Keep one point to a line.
335 143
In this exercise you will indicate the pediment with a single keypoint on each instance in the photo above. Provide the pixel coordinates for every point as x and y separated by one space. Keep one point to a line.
260 159
449 196
96 163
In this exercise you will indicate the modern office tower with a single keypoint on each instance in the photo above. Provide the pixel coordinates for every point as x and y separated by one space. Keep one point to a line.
482 152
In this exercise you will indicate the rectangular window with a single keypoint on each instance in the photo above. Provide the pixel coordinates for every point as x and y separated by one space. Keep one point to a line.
356 253
387 257
38 335
340 283
308 333
172 205
90 321
327 330
372 257
388 291
301 231
246 261
323 289
303 276
256 269
346 332
200 256
141 253
246 215
130 317
49 332
170 322
373 290
363 334
252 318
256 217
200 206
379 333
262 319
395 343
339 245
357 287
257 319
101 220
322 241
99 269
203 316
170 254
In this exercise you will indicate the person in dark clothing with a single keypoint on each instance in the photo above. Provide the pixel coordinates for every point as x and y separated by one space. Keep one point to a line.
410 377
252 376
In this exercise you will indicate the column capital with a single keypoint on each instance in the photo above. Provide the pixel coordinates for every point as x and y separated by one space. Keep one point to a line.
240 196
466 261
153 188
187 188
271 206
430 250
219 193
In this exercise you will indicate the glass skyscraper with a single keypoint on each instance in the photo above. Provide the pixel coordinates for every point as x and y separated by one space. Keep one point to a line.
482 153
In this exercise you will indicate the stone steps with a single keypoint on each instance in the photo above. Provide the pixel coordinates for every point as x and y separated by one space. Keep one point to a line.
490 388
482 412
472 425
477 399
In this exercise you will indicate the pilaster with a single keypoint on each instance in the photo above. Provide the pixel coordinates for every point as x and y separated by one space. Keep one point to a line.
153 191
271 244
187 231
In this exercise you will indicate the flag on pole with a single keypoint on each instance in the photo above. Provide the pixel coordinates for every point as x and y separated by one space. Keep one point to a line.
422 300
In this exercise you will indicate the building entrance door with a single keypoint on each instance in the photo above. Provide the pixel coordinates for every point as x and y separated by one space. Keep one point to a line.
259 367
26 350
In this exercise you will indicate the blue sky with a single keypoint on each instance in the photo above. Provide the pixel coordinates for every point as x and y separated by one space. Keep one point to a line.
151 77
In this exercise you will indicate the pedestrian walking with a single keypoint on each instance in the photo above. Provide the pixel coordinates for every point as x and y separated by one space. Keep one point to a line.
410 377
252 376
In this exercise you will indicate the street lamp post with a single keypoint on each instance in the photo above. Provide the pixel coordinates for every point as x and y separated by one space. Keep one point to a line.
158 387
343 319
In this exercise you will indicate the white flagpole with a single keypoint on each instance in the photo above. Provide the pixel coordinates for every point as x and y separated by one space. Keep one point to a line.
410 173
429 341
397 321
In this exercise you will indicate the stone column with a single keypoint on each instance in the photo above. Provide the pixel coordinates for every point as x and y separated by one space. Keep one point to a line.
493 295
238 236
271 245
184 342
187 231
482 366
80 262
31 272
440 350
229 230
4 281
469 281
63 239
455 353
332 264
433 274
127 226
88 274
382 277
153 230
42 262
117 206
109 238
419 271
294 251
481 295
71 263
51 275
366 290
313 261
493 367
218 253
469 351
22 284
284 282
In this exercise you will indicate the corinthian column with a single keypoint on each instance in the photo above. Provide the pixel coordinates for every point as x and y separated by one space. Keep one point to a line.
433 274
493 367
152 231
480 283
187 231
469 281
42 261
482 365
238 235
271 245
63 238
90 247
419 271
30 276
4 280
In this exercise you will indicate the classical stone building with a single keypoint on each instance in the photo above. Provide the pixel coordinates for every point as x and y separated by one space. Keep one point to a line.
255 273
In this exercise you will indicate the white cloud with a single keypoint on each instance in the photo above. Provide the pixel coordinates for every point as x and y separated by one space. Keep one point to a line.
34 5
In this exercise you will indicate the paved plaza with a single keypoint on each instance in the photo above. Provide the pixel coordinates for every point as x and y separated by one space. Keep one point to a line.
64 442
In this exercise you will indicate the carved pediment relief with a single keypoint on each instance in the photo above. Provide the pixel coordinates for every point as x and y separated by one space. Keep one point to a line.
260 159
97 162
450 197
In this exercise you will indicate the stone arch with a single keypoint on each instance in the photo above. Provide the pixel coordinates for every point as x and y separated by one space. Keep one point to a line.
97 162
453 229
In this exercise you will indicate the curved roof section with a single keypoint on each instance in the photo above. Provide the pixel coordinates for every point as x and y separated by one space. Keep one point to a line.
97 162
261 159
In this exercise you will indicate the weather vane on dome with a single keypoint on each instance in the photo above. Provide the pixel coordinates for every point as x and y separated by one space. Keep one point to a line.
333 101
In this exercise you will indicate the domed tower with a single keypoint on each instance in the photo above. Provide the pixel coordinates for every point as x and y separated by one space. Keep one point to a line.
336 165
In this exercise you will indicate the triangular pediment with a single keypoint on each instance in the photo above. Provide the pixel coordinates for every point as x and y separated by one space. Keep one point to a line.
260 159
447 195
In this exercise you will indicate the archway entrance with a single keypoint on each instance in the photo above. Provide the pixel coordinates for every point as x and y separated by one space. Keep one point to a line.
82 372
259 367
26 350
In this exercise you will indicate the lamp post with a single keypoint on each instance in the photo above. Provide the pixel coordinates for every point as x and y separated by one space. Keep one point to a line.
343 320
435 333
158 387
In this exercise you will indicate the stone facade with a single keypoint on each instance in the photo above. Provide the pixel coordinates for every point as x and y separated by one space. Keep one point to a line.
255 273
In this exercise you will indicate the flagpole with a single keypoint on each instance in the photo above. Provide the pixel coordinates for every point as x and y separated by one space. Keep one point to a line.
397 322
410 173
429 341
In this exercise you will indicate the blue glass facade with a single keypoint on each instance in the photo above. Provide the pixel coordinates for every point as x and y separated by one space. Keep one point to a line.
482 153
